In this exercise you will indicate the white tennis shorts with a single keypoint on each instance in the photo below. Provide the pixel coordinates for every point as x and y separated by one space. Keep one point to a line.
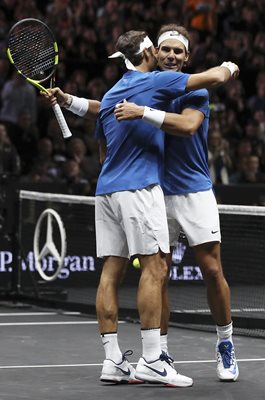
131 222
196 214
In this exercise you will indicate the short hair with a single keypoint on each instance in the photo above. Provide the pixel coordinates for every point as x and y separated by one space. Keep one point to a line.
129 44
173 27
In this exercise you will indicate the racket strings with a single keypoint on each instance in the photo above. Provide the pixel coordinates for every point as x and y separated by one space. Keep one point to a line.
33 52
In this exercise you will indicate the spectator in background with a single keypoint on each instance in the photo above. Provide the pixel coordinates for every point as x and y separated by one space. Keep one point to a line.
244 148
59 145
252 172
17 96
4 68
96 89
44 159
59 15
257 101
219 159
9 168
39 173
230 128
79 78
74 179
27 9
252 134
200 15
9 158
110 74
25 137
234 98
239 171
77 151
259 118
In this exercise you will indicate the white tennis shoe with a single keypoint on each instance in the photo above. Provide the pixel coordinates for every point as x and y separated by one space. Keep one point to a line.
227 369
122 372
161 371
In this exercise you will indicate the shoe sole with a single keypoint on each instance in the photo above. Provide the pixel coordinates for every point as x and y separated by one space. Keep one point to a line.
153 380
229 380
110 379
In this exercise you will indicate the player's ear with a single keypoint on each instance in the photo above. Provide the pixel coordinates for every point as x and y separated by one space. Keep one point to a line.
146 54
186 59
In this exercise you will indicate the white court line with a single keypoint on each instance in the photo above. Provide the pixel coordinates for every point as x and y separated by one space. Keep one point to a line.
133 363
28 314
52 323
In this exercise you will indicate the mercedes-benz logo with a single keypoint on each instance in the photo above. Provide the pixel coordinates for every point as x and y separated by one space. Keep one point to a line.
49 245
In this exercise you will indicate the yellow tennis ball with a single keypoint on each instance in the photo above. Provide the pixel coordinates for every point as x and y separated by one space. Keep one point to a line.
136 263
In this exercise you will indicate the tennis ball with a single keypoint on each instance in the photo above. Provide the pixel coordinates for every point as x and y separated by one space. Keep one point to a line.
136 263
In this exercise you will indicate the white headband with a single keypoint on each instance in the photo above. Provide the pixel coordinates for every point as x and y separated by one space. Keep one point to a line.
173 35
145 44
128 63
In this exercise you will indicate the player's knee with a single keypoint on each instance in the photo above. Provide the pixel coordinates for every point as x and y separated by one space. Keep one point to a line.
162 271
213 272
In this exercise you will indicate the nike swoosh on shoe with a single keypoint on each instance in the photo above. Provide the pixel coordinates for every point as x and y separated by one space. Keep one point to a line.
162 373
124 371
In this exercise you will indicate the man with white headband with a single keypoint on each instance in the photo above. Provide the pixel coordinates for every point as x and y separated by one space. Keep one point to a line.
131 216
190 202
130 209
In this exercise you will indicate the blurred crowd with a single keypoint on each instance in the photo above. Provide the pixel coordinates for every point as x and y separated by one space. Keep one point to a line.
31 145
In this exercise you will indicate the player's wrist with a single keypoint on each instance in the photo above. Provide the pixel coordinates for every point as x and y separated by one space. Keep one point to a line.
153 116
67 100
77 105
230 66
140 111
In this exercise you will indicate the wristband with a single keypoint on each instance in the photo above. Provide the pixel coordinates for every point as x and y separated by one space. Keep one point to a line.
229 65
154 117
78 106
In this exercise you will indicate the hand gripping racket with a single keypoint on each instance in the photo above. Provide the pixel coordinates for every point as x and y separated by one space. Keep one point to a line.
33 51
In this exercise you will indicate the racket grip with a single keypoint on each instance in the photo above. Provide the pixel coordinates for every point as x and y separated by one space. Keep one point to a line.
61 121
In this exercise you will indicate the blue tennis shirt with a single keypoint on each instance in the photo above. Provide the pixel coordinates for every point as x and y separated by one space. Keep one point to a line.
186 158
135 149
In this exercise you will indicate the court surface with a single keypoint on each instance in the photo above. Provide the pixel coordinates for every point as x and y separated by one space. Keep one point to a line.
47 354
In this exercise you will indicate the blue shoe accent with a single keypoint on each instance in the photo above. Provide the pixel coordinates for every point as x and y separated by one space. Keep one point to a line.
227 369
226 349
166 357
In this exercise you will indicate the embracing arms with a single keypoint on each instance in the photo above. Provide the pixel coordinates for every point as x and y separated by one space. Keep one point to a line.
186 123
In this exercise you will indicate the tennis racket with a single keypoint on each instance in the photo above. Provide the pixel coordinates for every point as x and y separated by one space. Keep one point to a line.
33 51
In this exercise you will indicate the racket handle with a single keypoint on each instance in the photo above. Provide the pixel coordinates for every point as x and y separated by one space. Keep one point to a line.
61 121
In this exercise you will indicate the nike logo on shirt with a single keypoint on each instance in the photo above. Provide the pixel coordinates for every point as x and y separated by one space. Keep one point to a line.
214 232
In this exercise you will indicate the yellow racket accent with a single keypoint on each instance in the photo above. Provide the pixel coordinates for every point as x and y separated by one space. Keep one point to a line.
37 85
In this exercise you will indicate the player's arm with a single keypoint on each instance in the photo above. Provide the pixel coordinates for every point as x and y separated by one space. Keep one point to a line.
186 123
78 105
212 77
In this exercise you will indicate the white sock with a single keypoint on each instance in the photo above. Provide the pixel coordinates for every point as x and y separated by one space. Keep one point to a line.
151 344
224 333
111 347
163 343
